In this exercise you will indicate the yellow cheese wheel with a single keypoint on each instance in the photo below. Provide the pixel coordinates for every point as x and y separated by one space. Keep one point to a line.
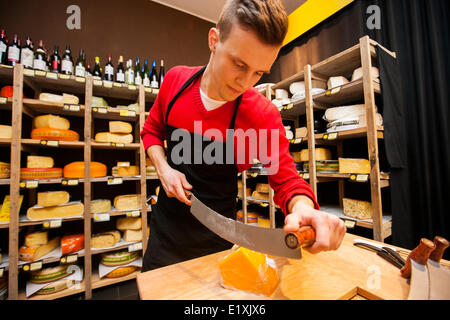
36 238
4 170
120 127
38 162
54 134
76 170
52 198
34 174
51 121
113 137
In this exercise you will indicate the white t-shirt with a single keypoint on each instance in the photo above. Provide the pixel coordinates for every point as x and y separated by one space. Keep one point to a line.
210 104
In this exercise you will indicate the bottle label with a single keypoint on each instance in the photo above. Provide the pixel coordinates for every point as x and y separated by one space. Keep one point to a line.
154 84
80 71
55 65
27 58
13 54
146 82
130 77
120 77
138 80
39 65
109 70
67 66
2 47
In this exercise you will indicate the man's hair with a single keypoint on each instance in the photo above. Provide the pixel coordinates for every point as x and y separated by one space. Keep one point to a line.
267 18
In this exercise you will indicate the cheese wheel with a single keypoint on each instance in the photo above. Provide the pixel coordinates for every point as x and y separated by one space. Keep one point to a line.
336 81
354 165
303 155
113 137
119 258
358 73
100 206
132 235
262 187
66 210
103 240
56 286
120 127
38 162
125 171
52 198
64 98
125 223
5 170
5 131
37 252
121 272
49 274
127 202
115 233
51 121
35 174
72 243
252 217
36 239
76 170
54 134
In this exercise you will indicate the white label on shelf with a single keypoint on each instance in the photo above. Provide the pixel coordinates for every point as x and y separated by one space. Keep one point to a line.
52 75
350 224
101 217
80 79
113 181
56 223
39 65
107 84
3 100
131 87
35 266
296 141
117 84
64 76
98 83
31 184
50 143
332 136
118 145
135 213
70 182
69 259
306 176
28 72
135 247
2 271
362 177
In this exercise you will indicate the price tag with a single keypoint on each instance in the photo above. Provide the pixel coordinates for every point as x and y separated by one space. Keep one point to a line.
69 259
131 87
98 83
3 100
100 110
50 143
71 107
52 224
155 91
28 72
333 91
64 76
263 204
118 145
149 90
70 182
32 266
52 75
332 136
239 174
306 176
117 84
101 217
107 84
113 181
124 113
2 271
33 184
254 174
350 224
135 213
40 73
135 247
80 79
297 141
362 177
289 106
280 108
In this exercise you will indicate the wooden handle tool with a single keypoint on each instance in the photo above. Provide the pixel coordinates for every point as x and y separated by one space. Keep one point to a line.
420 255
441 244
303 237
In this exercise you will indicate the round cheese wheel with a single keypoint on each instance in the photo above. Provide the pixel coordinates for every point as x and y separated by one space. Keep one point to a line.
51 121
56 286
47 173
27 253
121 272
119 258
76 170
54 134
49 274
72 243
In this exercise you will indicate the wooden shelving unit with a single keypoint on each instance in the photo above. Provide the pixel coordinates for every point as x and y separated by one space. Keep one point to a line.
361 55
21 109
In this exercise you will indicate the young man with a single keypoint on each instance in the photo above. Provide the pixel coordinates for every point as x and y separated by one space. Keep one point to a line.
203 102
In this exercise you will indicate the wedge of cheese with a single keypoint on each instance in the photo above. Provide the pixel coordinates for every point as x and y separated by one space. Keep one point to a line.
250 271
64 98
52 198
5 131
37 252
127 202
347 165
301 132
71 209
54 134
5 170
36 239
132 235
100 206
129 223
76 170
51 121
118 258
72 243
121 272
120 127
113 137
50 274
103 240
56 286
321 154
35 162
115 233
357 209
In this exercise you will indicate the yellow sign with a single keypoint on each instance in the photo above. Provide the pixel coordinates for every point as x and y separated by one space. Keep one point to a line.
6 208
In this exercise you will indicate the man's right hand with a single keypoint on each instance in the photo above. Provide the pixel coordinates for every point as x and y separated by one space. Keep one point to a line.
175 184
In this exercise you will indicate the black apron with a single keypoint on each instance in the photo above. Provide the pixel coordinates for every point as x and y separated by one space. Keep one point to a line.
175 234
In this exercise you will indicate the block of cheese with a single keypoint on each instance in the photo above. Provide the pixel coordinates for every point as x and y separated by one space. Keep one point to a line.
118 258
103 240
303 155
113 137
50 274
100 206
115 233
35 162
51 121
120 127
357 208
262 187
358 73
260 196
127 202
64 98
37 252
5 170
301 132
125 223
54 134
347 165
5 131
35 174
148 162
99 102
249 271
56 286
36 238
52 198
76 170
344 112
336 82
248 192
71 209
121 272
72 243
132 235
125 171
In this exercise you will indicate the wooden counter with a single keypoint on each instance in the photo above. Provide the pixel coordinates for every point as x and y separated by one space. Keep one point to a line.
349 273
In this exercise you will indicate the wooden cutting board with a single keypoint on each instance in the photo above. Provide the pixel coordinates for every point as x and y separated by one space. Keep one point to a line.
350 272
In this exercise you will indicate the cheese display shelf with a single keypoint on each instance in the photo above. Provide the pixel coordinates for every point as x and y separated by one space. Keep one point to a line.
59 101
358 64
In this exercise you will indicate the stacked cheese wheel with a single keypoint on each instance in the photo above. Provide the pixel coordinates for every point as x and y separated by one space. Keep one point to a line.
55 277
37 245
51 127
261 192
54 205
119 132
40 168
121 259
75 170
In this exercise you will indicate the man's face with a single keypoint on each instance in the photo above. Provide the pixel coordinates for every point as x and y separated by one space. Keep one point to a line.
238 63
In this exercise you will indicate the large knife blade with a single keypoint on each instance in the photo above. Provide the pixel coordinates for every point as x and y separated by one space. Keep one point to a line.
271 241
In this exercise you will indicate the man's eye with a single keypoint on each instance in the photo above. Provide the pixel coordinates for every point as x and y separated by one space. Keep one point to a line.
259 74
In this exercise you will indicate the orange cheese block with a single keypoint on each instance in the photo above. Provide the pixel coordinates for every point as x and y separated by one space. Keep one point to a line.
76 170
54 134
5 169
121 272
37 252
250 271
72 243
33 174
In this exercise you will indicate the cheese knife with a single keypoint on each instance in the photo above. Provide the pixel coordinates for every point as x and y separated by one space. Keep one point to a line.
271 241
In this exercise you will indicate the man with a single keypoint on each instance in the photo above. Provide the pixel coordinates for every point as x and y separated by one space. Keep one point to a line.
220 97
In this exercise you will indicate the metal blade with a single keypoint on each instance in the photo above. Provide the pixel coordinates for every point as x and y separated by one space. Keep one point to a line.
270 241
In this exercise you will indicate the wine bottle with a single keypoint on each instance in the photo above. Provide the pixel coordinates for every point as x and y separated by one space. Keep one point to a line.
14 52
88 70
137 73
27 54
80 68
67 62
97 73
120 74
40 58
3 47
161 73
130 72
55 61
109 70
154 77
145 74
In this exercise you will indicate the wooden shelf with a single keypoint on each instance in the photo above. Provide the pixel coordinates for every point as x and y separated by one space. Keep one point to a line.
6 73
53 296
284 84
36 107
349 134
107 145
5 142
62 144
98 283
24 222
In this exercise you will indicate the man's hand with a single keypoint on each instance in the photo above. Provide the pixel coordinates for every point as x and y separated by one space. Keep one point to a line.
330 230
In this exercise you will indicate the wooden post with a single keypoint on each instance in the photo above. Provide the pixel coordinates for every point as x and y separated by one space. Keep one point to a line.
271 192
244 195
142 168
372 139
341 182
310 127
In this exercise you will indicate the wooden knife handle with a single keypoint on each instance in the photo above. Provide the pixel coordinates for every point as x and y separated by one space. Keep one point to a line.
441 244
420 255
303 237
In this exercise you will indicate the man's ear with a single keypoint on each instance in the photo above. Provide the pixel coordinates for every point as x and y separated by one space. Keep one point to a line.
213 39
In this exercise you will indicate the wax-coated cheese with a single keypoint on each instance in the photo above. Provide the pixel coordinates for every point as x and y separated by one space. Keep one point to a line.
120 127
336 82
5 131
100 206
262 187
127 202
54 134
56 286
129 223
102 241
36 174
252 217
303 155
5 170
64 98
71 209
50 274
72 243
52 198
76 170
113 137
35 162
121 272
132 235
250 271
36 238
51 121
118 258
354 165
357 208
37 252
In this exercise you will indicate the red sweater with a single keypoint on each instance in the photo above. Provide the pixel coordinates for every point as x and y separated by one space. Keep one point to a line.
255 111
